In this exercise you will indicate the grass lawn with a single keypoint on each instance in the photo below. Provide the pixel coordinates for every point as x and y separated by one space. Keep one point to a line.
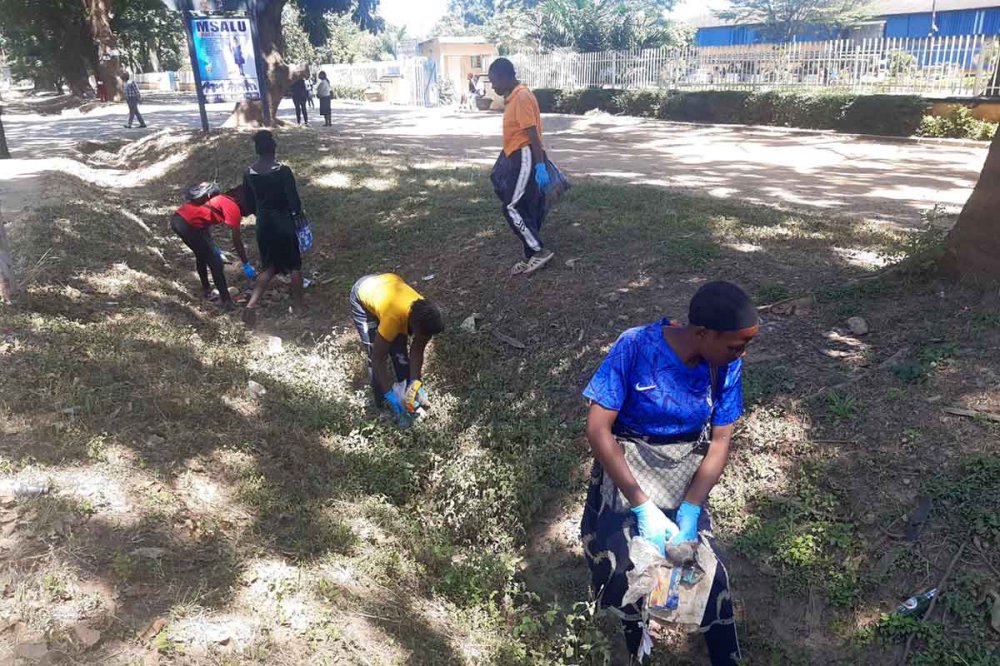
192 522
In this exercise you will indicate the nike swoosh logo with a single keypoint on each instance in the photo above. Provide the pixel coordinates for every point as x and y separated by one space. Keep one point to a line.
643 389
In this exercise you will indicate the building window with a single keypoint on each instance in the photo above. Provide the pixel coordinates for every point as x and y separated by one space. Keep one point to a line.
477 62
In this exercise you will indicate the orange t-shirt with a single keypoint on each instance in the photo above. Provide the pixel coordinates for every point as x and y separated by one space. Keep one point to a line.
520 114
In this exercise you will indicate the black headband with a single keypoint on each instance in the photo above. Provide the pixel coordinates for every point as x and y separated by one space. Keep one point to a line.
722 306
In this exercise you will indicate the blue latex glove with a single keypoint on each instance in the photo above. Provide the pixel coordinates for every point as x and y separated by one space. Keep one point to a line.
541 175
394 402
654 526
249 271
687 521
218 252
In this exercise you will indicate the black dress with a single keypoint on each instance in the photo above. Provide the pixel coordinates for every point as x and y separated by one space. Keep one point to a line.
272 195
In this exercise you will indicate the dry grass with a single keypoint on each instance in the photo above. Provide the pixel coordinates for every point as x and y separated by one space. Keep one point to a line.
301 528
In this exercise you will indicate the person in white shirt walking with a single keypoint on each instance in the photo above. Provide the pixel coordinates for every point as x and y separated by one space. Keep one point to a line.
132 98
323 92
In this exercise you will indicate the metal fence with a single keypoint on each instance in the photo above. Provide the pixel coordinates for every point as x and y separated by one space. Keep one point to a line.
939 66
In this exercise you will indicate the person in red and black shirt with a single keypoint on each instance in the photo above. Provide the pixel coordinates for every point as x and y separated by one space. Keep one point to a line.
193 222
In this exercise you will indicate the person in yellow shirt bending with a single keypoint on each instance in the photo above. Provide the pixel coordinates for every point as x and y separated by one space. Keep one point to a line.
520 176
386 312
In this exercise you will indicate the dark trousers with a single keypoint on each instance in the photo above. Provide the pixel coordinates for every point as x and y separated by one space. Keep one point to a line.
301 114
200 242
367 327
523 204
133 112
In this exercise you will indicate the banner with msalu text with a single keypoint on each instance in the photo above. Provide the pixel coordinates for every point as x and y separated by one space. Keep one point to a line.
226 62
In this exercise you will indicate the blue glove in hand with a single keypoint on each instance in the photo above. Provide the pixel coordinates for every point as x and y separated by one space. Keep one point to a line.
395 404
654 526
541 175
249 271
687 521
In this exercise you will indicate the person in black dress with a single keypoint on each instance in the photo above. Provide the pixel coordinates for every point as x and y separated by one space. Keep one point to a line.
270 192
300 93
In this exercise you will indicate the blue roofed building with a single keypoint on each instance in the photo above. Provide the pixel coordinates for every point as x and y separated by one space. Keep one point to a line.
894 19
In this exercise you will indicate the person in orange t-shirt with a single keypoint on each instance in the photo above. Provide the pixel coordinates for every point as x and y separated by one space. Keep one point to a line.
520 176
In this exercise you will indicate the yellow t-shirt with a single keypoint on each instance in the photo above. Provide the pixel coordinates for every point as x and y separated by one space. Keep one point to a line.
520 113
388 299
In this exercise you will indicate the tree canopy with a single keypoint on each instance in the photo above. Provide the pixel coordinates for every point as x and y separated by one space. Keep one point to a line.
345 42
783 19
582 25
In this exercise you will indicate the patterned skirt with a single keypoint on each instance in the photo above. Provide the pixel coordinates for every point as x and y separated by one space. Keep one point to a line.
607 527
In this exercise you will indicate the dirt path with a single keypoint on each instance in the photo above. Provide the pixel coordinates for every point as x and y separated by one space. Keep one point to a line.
892 181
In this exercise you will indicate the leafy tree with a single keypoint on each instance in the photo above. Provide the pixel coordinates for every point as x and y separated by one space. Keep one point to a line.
150 37
312 18
49 42
345 41
783 19
479 12
598 25
582 25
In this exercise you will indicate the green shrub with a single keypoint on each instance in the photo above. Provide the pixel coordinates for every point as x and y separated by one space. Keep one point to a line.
640 103
891 115
347 92
886 115
716 106
548 99
959 124
578 102
795 109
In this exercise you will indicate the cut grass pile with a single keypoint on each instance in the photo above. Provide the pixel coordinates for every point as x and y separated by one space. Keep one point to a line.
193 520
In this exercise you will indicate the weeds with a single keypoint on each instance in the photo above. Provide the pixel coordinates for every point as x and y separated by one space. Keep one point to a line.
842 407
971 496
772 293
801 535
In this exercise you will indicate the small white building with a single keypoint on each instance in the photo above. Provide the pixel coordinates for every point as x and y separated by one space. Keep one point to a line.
457 57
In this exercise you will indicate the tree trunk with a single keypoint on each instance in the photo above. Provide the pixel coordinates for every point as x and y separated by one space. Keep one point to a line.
4 150
75 74
154 56
8 285
108 63
279 75
973 246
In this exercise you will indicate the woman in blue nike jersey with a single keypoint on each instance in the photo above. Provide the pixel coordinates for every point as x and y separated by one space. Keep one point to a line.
665 386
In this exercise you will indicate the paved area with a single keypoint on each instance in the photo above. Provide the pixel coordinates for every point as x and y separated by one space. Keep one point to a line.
893 181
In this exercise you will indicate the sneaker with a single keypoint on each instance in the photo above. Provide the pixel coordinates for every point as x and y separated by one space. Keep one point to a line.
538 261
519 268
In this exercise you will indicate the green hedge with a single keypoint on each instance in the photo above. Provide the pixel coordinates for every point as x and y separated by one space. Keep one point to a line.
347 92
887 115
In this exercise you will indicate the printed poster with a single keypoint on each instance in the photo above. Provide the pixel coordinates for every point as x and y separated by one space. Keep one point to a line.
224 48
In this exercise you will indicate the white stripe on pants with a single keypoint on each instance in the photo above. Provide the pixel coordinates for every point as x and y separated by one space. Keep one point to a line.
522 184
